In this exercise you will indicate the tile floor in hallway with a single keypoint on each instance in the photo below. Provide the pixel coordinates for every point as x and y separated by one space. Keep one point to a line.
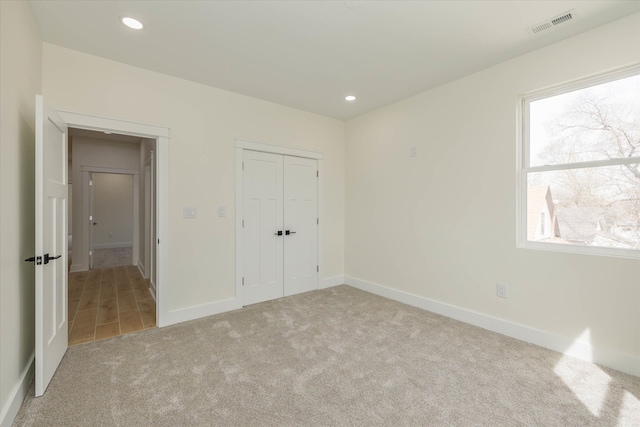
108 302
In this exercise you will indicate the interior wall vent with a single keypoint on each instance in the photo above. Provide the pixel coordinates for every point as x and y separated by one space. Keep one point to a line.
553 22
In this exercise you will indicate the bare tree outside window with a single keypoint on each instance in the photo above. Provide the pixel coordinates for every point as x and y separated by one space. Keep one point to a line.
582 165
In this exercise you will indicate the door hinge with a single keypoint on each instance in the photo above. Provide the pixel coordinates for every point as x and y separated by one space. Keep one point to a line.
158 241
243 223
318 268
243 281
318 173
318 221
242 165
90 183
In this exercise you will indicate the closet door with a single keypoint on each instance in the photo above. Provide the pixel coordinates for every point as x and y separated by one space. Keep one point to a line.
263 218
300 225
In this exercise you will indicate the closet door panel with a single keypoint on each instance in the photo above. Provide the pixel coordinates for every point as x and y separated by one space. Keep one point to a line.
300 225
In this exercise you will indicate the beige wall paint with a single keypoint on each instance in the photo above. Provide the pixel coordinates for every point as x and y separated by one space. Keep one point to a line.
20 81
98 153
204 122
112 210
442 225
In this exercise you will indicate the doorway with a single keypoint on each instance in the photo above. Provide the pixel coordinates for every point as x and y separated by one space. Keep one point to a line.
52 182
111 220
278 216
109 291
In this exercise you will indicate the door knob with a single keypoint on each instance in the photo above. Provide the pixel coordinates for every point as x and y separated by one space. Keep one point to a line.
289 232
48 258
278 233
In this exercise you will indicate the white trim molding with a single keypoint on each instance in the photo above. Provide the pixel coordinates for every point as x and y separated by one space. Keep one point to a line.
161 135
10 408
199 311
566 345
330 282
277 149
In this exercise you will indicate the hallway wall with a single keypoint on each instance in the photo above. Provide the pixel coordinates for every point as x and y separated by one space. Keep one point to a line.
20 82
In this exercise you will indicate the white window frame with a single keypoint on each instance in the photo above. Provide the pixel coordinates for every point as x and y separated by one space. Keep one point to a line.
524 168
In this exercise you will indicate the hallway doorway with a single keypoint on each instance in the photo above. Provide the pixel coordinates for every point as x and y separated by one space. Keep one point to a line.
111 229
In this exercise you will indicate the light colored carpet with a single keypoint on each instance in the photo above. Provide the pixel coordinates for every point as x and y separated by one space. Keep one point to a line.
112 257
334 357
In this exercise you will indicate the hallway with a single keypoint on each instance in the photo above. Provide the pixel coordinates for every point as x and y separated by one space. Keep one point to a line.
108 302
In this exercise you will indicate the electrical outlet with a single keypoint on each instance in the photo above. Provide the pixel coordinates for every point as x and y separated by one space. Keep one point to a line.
190 212
501 290
222 211
413 151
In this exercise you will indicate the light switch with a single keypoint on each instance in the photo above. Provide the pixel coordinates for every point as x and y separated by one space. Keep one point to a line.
413 152
222 211
190 212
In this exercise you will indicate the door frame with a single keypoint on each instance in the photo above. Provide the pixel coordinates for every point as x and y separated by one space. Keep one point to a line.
86 172
161 136
149 216
245 144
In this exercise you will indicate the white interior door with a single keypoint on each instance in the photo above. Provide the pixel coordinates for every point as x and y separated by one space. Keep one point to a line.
51 243
263 220
280 226
301 225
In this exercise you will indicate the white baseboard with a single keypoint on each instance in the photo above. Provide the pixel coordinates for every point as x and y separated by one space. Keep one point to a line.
204 310
566 345
329 282
16 397
77 267
141 269
196 312
112 245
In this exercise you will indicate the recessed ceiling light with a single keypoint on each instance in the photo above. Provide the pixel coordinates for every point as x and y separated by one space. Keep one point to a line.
132 23
350 98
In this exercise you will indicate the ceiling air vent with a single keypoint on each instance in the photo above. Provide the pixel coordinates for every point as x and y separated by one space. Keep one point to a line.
553 22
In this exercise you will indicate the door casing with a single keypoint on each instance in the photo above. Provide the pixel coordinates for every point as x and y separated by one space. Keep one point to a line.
245 144
161 136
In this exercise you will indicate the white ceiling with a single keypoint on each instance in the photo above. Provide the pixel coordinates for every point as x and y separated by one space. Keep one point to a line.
310 54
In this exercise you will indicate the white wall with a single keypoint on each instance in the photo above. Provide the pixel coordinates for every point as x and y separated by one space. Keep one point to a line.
112 210
204 122
442 226
97 153
20 81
